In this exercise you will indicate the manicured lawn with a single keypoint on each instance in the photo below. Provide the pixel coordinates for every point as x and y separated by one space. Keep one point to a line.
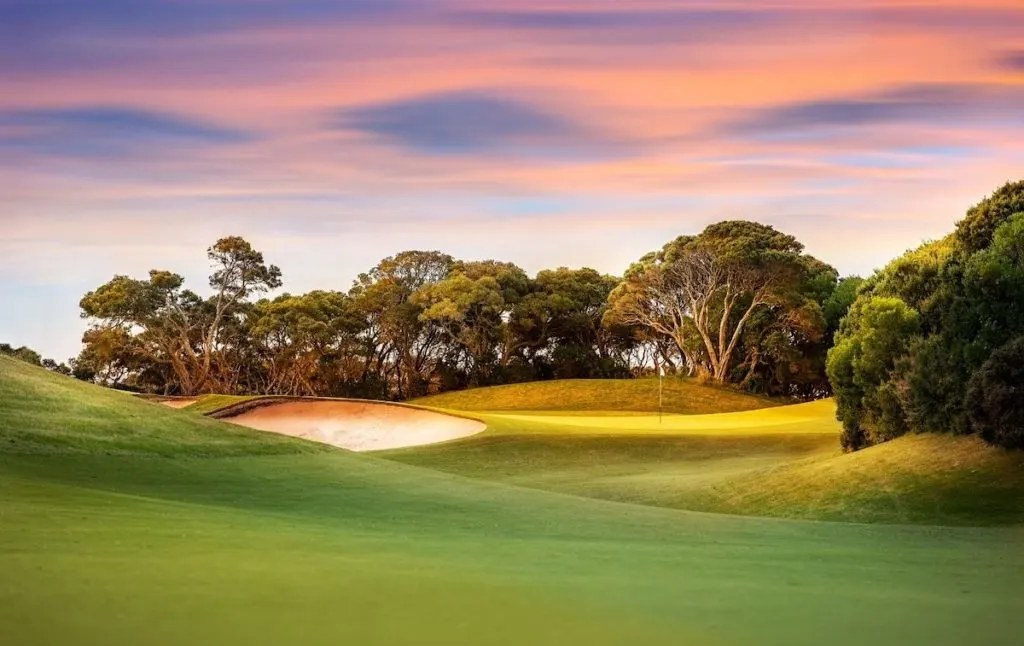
113 537
684 396
782 461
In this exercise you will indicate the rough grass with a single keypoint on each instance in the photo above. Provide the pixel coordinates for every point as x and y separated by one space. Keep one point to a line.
167 541
682 396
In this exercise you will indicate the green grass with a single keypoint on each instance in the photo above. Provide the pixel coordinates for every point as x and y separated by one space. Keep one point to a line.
682 396
242 537
212 403
926 478
783 461
41 413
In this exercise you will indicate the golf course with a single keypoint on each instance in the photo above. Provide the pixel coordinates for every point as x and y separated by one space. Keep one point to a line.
511 323
123 521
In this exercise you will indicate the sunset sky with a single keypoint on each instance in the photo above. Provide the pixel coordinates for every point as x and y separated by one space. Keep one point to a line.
332 133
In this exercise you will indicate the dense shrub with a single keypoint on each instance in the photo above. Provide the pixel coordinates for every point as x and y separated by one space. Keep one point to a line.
995 397
875 334
923 326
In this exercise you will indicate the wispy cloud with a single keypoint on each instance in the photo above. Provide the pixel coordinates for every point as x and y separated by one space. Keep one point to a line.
1013 60
950 104
683 20
97 131
470 122
161 17
469 125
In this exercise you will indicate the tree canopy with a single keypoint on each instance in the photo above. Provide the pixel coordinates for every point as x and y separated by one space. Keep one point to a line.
740 303
927 325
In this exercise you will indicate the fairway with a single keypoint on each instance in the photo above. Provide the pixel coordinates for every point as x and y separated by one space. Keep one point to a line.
111 535
781 461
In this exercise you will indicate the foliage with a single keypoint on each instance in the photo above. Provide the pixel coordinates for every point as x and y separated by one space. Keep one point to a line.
995 396
423 322
874 336
738 303
24 353
30 356
173 329
966 293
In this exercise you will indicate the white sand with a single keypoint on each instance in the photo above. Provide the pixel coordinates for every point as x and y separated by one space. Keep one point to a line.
358 425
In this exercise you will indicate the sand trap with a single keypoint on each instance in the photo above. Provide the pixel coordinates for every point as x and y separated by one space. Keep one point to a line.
357 425
179 402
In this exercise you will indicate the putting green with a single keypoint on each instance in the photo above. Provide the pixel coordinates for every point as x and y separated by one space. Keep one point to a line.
680 395
124 522
815 417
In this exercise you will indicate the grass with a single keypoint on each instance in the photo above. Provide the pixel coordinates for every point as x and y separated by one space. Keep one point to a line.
243 537
212 403
43 414
681 396
781 462
924 478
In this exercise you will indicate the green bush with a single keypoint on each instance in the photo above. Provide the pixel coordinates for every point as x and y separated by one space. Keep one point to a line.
929 322
995 397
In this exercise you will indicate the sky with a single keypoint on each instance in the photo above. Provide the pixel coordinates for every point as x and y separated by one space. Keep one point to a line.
333 133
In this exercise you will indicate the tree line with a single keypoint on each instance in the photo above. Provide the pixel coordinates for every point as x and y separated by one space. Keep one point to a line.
28 355
935 340
739 304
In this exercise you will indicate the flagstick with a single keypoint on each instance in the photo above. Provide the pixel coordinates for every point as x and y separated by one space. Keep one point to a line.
661 389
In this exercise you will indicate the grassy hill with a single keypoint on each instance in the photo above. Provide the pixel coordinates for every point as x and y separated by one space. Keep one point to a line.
682 396
783 461
43 413
124 522
926 478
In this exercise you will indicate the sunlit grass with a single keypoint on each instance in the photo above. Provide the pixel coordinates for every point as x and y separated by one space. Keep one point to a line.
684 396
125 522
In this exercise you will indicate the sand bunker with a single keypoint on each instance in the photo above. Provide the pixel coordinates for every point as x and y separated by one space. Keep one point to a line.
357 425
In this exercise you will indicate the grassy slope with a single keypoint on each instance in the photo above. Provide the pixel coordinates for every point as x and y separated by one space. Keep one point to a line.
913 479
212 403
44 414
782 461
146 545
683 396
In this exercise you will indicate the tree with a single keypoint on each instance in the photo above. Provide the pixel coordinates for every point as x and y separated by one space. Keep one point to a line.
873 337
995 396
303 339
30 356
399 347
647 301
976 230
784 345
472 306
173 326
966 293
702 291
838 303
560 321
24 353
